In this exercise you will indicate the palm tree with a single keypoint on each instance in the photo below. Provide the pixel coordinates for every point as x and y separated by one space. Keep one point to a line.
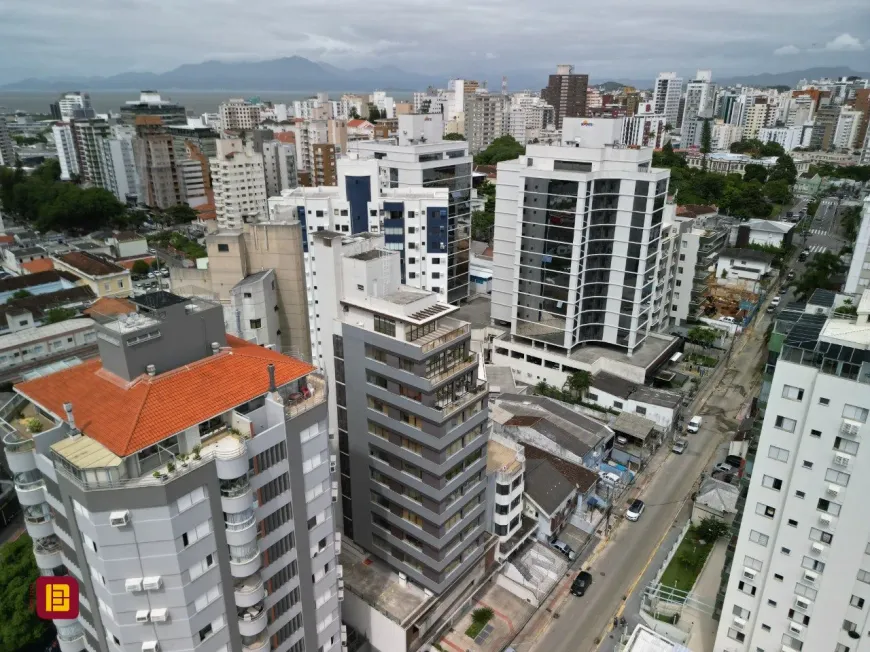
578 382
542 388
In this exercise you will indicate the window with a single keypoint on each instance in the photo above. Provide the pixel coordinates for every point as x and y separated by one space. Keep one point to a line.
765 510
857 602
841 648
502 489
745 587
617 405
764 628
807 464
864 576
752 562
223 247
792 393
818 535
757 537
778 454
849 626
740 612
771 483
385 325
736 634
640 410
784 423
256 323
815 433
845 445
792 522
800 494
785 551
837 477
855 413
824 401
771 603
813 564
827 506
777 577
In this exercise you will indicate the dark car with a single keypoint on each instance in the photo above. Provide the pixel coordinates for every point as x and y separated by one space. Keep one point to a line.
735 461
581 583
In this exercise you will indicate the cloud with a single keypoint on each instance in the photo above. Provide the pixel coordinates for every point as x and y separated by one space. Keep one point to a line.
786 50
490 55
844 43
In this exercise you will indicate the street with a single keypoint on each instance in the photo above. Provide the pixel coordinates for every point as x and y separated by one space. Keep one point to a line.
619 568
824 232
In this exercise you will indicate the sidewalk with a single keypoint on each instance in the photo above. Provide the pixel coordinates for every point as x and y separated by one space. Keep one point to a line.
701 625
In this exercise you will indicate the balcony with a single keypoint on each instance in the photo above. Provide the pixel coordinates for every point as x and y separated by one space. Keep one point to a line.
71 637
236 495
230 451
38 521
447 331
257 643
248 591
252 620
19 451
240 527
463 365
47 552
449 407
30 488
313 393
245 560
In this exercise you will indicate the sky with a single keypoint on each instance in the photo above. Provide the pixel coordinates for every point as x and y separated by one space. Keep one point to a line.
612 39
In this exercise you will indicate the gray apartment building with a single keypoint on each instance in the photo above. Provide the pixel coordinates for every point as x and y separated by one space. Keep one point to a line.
411 414
183 478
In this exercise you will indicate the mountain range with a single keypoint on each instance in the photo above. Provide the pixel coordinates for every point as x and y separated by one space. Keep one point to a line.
300 74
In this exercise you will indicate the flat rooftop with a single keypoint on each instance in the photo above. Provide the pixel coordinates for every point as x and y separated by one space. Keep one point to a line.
405 295
378 585
652 348
644 639
499 456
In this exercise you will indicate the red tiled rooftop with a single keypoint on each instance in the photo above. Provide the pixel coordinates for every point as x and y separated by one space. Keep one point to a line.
127 417
90 264
694 210
6 239
110 306
36 266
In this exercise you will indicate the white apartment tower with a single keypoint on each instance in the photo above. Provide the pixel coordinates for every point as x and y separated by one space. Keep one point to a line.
801 573
64 142
484 119
858 278
700 95
183 479
7 153
846 132
578 238
279 159
69 103
666 96
239 183
239 115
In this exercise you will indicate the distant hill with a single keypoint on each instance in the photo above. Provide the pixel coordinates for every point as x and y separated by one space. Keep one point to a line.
766 79
286 74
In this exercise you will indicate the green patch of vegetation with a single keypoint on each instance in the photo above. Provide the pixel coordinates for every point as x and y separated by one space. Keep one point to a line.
19 626
503 148
479 619
853 172
180 243
702 360
692 553
57 315
819 273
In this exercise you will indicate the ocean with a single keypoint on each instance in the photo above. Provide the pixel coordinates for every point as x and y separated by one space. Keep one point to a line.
196 102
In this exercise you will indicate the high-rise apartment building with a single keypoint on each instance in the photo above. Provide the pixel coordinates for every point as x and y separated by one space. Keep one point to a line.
578 244
154 153
862 105
700 95
566 93
800 576
66 150
846 131
151 104
723 134
239 183
411 415
65 107
7 153
759 112
419 160
239 114
279 160
89 134
484 119
858 278
192 147
184 480
122 178
667 92
825 127
525 116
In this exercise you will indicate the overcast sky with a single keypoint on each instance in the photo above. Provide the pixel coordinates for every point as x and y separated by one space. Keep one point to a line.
611 38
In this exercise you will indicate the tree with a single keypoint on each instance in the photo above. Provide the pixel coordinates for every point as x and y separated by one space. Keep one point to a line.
21 294
354 114
668 158
503 148
784 169
140 268
56 315
481 225
818 273
454 136
777 191
383 114
19 625
755 172
178 214
704 337
710 529
705 143
850 220
374 113
578 383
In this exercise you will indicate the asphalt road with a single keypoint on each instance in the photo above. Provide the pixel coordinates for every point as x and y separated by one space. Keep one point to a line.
619 568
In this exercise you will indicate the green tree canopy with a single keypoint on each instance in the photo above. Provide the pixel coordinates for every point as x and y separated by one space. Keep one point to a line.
55 315
784 169
141 268
777 191
668 158
818 273
503 148
755 172
178 214
19 625
454 136
374 113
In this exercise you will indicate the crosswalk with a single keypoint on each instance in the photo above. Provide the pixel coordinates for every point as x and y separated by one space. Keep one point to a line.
817 249
819 231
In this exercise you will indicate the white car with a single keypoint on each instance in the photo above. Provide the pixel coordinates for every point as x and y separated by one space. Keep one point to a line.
608 476
635 510
694 425
775 301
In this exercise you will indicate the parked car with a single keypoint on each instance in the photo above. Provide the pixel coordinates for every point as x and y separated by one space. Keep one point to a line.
680 446
723 467
565 549
635 510
609 476
694 425
803 256
580 584
734 460
771 308
775 301
728 320
790 276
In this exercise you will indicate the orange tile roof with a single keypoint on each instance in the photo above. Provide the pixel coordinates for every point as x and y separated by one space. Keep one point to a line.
6 239
110 306
285 137
127 417
41 265
359 122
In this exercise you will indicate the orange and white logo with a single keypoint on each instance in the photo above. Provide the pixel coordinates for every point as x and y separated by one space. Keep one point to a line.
57 598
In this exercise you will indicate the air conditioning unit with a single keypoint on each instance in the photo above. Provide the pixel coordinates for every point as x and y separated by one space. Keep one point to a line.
332 462
119 519
133 585
159 615
341 595
801 604
338 543
749 574
826 519
339 571
152 583
739 623
850 428
834 490
818 548
142 616
794 628
810 576
150 646
842 459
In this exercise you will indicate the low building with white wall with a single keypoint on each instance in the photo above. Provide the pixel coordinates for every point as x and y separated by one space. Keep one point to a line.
614 393
770 233
22 347
252 312
505 477
743 268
